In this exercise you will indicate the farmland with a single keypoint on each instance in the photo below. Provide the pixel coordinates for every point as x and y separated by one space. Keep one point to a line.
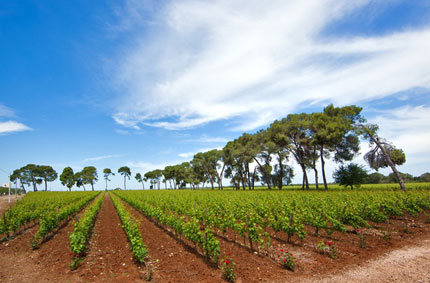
177 235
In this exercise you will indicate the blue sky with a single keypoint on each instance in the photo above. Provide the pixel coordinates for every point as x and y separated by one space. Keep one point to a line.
149 83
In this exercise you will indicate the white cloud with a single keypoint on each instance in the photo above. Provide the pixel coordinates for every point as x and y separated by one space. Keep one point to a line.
189 155
254 61
207 139
6 111
98 158
12 127
143 166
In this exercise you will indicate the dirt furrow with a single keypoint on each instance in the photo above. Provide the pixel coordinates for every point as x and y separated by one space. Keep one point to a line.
109 258
173 261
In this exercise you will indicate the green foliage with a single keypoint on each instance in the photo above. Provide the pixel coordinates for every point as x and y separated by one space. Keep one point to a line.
125 171
35 206
131 228
67 178
51 219
89 176
351 175
82 230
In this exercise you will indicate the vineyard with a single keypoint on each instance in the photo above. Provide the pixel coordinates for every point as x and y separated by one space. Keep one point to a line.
205 236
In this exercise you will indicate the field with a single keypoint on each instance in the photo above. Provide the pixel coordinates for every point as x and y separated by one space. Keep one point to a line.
207 236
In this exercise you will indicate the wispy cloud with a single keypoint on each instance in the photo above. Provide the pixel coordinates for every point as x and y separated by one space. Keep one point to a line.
189 155
253 62
98 158
6 111
208 139
9 127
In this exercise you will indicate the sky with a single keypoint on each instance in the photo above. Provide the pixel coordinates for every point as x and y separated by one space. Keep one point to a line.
147 84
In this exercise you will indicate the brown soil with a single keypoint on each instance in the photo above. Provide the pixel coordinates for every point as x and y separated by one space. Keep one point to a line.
109 258
404 256
172 261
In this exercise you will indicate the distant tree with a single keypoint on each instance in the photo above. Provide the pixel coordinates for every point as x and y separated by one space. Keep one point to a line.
205 166
374 178
383 154
125 171
424 177
89 176
351 175
106 173
17 176
154 177
31 174
139 178
287 176
79 180
48 174
405 176
67 178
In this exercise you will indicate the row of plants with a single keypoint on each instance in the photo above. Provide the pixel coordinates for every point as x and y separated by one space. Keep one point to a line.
30 208
51 219
251 214
131 228
186 227
82 231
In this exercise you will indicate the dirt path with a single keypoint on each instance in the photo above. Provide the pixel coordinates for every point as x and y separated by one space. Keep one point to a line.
408 264
109 258
172 261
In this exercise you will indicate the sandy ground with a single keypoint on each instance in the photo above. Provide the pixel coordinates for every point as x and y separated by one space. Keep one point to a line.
408 264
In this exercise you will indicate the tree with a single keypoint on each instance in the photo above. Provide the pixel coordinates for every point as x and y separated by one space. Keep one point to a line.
333 131
139 178
295 127
374 178
205 166
424 177
89 176
17 176
155 177
383 154
79 180
67 178
48 174
351 175
31 174
125 171
107 172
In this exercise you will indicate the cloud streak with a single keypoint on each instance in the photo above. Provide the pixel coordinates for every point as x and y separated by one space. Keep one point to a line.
253 62
98 158
9 127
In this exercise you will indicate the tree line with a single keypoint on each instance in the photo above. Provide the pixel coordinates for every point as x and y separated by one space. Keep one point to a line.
307 138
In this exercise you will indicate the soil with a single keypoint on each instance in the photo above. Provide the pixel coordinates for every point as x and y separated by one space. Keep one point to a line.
403 255
170 260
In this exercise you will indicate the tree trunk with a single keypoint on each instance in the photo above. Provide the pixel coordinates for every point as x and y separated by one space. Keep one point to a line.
265 177
390 162
305 178
314 165
316 178
106 184
322 167
92 186
281 174
125 187
220 175
46 186
212 182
